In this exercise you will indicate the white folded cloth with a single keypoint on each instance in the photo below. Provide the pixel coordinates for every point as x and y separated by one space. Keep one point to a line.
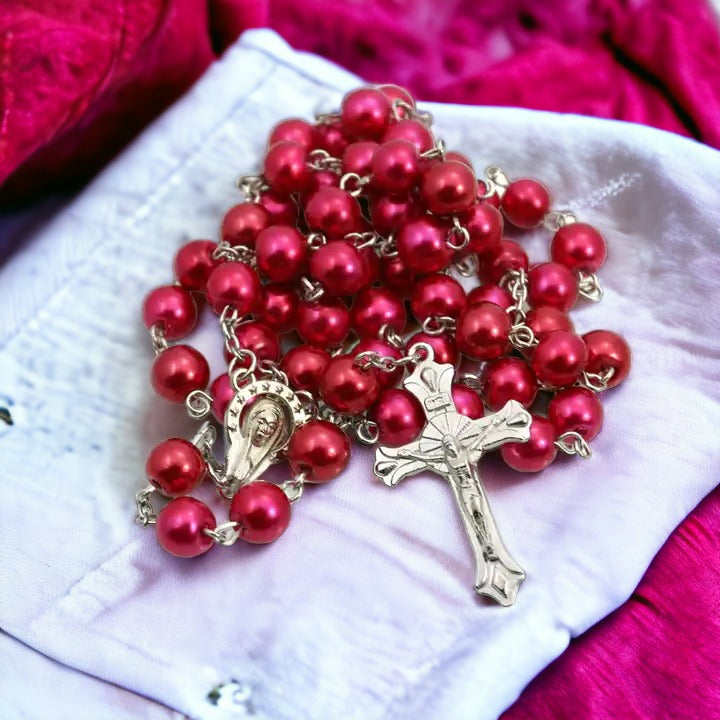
364 608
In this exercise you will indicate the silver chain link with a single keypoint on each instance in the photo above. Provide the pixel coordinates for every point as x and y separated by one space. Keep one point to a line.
251 186
225 534
589 287
572 443
159 343
556 219
321 160
294 487
310 290
234 253
198 404
145 515
438 324
467 266
459 230
521 334
243 362
353 183
596 381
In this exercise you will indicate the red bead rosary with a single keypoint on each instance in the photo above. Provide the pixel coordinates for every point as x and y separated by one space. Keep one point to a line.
355 218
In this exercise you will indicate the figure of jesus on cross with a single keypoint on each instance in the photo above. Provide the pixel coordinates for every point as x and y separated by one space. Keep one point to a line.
451 445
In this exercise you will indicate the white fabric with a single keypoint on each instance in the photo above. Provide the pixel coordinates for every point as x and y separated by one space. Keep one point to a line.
365 608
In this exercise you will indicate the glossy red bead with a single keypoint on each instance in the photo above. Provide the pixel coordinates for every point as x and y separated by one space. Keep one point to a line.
172 309
357 157
559 358
383 349
484 224
508 378
576 409
443 345
456 156
365 113
324 322
535 454
399 417
242 223
333 212
177 371
259 339
332 139
389 212
321 179
339 266
526 202
180 527
422 245
448 187
506 255
346 388
607 350
222 393
552 284
281 253
235 284
304 365
544 320
483 331
175 467
261 510
295 130
413 131
579 246
193 263
395 166
437 295
319 450
371 263
278 307
285 168
492 294
280 210
395 92
467 401
375 307
396 275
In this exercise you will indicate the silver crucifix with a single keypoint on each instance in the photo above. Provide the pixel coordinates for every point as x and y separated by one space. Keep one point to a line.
451 445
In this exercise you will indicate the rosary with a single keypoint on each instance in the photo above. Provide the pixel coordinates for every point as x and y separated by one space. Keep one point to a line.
352 218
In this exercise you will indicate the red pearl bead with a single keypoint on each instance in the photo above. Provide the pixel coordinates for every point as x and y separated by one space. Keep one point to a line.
371 262
467 401
339 266
607 350
285 168
259 339
280 210
545 319
492 294
559 358
278 307
235 284
242 223
180 527
508 378
333 212
383 349
347 388
318 449
535 454
321 179
526 202
281 253
172 309
396 275
448 187
193 263
175 467
304 365
177 371
399 416
324 322
331 138
395 92
506 255
552 284
579 246
388 212
412 131
358 156
422 245
395 166
443 345
456 156
295 130
576 409
484 224
483 331
222 393
365 113
261 510
375 307
437 295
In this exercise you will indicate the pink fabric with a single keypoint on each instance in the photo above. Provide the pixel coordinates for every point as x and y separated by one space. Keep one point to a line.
79 78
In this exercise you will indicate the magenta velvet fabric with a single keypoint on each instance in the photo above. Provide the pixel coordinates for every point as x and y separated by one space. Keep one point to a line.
79 78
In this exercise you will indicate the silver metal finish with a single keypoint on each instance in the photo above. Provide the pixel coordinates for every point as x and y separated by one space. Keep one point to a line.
145 515
451 446
573 443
